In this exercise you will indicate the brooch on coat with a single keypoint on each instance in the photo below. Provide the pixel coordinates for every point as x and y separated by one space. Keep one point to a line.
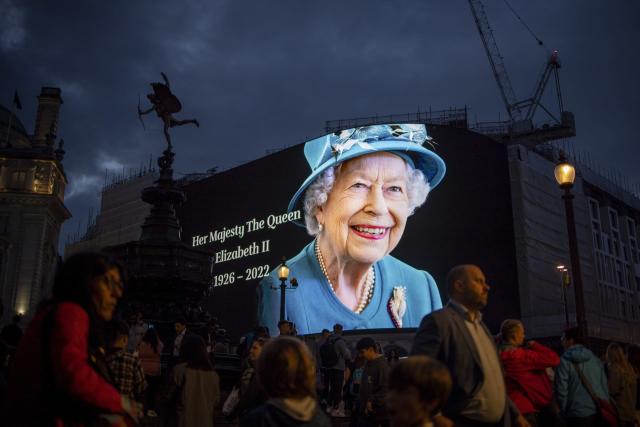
397 305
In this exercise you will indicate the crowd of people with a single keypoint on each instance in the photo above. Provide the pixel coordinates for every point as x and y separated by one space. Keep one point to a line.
78 365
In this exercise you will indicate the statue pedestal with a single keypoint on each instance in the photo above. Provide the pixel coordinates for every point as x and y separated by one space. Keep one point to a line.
164 275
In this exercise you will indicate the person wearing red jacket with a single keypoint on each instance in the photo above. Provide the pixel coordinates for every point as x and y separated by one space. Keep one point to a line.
58 375
525 364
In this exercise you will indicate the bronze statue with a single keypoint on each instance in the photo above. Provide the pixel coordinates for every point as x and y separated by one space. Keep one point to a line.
165 104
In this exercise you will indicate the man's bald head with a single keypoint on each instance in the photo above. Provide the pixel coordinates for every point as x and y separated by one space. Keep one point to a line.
467 285
455 274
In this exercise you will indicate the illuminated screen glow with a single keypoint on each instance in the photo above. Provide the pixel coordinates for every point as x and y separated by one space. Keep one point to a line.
240 217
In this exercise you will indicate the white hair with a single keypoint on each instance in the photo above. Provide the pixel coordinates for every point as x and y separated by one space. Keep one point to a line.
317 193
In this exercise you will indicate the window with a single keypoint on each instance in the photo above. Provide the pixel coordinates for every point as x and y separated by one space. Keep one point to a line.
625 252
617 256
599 269
597 236
595 209
631 228
633 242
613 219
619 276
608 248
18 179
596 229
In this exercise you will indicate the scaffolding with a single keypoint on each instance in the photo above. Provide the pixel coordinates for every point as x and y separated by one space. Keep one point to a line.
453 117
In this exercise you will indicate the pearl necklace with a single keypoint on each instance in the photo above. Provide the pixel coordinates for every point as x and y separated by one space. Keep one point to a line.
369 283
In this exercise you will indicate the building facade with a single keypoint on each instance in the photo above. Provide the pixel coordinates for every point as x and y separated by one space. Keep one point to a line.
122 213
607 217
32 209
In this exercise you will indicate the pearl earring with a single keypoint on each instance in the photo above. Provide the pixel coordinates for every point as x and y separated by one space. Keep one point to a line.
320 228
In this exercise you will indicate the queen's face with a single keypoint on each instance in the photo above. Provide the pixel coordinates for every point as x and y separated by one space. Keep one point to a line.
367 209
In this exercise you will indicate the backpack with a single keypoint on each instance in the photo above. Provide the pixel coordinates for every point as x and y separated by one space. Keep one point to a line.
328 354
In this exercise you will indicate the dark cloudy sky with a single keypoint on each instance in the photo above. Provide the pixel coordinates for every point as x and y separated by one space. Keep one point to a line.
261 75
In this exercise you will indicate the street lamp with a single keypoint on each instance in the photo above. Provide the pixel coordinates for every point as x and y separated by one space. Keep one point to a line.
566 280
283 275
565 175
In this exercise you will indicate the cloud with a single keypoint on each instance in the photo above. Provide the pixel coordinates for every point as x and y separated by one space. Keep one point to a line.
82 184
12 32
108 162
69 88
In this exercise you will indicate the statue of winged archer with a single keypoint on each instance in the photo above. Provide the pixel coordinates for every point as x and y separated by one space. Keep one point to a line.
165 104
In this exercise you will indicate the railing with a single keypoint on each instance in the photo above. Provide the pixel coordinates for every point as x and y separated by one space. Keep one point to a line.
454 117
491 128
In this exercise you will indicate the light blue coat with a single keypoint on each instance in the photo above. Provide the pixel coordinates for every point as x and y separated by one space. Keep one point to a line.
574 400
314 306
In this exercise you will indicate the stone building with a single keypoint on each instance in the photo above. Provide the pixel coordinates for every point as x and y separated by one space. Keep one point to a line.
32 209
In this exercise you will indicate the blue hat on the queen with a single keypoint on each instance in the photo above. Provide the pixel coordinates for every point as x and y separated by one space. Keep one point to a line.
403 139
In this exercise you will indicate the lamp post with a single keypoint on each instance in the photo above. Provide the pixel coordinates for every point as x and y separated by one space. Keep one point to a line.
283 275
565 283
565 175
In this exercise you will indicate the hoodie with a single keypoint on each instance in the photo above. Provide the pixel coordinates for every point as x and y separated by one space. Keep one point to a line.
287 412
573 398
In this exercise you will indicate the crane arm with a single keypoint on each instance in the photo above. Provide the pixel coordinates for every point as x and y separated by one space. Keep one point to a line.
495 59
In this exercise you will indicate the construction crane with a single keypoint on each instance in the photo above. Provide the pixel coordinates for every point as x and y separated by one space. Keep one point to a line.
520 129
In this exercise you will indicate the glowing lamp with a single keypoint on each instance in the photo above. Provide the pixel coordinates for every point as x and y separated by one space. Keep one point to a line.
565 173
283 271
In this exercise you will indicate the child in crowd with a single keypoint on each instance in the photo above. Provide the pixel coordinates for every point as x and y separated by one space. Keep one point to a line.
418 387
125 368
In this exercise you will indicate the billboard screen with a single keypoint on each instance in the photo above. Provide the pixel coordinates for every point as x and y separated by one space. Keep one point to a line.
241 217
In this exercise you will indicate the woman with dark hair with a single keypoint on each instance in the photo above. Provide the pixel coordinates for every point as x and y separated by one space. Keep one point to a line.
59 376
195 386
287 374
149 351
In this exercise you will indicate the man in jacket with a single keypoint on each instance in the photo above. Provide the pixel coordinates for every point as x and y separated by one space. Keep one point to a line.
335 372
372 394
456 336
576 405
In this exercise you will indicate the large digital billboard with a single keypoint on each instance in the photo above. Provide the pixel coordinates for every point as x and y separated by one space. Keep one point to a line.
248 218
